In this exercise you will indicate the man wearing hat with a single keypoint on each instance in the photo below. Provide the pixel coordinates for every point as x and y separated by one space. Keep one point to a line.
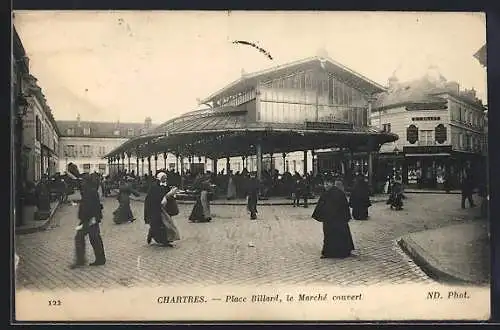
253 188
333 211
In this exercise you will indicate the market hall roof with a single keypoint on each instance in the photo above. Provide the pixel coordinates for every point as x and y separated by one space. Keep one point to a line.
341 72
228 132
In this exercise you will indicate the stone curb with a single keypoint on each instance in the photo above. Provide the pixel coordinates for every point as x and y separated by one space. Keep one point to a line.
409 191
428 264
41 226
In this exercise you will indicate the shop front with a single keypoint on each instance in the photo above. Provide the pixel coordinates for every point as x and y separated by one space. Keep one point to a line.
437 167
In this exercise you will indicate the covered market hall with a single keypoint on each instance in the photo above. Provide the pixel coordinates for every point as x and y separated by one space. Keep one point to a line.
304 106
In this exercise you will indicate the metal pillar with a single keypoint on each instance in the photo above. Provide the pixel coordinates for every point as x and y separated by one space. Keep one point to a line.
214 164
305 162
129 155
156 162
165 161
149 165
284 162
142 167
228 165
258 147
137 165
123 162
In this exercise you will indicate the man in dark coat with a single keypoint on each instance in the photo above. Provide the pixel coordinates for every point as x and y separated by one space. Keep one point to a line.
360 199
333 211
468 189
90 215
253 188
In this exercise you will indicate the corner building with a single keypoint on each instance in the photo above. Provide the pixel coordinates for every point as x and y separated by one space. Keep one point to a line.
441 132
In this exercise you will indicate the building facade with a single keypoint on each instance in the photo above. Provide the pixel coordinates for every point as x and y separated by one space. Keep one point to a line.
40 135
19 102
85 143
441 131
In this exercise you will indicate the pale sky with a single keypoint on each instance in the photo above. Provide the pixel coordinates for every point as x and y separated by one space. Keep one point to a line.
126 65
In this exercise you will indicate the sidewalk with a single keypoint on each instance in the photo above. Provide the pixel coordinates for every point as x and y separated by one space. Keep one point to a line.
456 253
272 201
30 225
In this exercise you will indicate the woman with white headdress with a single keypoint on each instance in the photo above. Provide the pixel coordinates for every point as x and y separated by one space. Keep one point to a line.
156 212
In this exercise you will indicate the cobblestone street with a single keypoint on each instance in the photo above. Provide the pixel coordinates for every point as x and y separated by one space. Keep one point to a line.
282 246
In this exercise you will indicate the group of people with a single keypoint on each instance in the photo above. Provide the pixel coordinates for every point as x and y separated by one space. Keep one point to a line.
333 209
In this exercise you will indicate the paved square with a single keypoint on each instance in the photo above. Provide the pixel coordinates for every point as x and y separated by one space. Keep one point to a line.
282 246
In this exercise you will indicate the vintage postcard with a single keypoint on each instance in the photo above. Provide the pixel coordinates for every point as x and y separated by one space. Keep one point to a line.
229 166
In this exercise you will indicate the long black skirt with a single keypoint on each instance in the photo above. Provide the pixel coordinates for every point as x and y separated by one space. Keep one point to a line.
197 214
123 214
360 212
337 241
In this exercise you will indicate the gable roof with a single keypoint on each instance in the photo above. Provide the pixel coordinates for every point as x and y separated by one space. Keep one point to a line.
340 71
100 129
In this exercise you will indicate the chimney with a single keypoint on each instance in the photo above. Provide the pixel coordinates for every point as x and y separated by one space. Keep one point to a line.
393 82
147 123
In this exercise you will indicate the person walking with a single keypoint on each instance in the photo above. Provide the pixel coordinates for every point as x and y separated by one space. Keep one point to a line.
333 212
162 228
123 213
467 189
253 189
360 199
90 215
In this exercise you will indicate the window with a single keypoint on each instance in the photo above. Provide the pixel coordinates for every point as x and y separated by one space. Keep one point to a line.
70 131
387 127
116 132
102 168
86 150
86 131
38 129
86 168
426 137
130 132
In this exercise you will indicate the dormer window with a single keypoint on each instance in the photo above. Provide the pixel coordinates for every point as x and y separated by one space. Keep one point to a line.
130 132
116 132
70 131
143 131
86 131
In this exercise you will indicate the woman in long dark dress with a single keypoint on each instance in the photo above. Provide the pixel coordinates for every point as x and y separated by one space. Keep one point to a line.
123 213
360 199
201 209
162 228
333 211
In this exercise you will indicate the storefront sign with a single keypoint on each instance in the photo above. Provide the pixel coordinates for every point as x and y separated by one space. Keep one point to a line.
427 149
319 125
